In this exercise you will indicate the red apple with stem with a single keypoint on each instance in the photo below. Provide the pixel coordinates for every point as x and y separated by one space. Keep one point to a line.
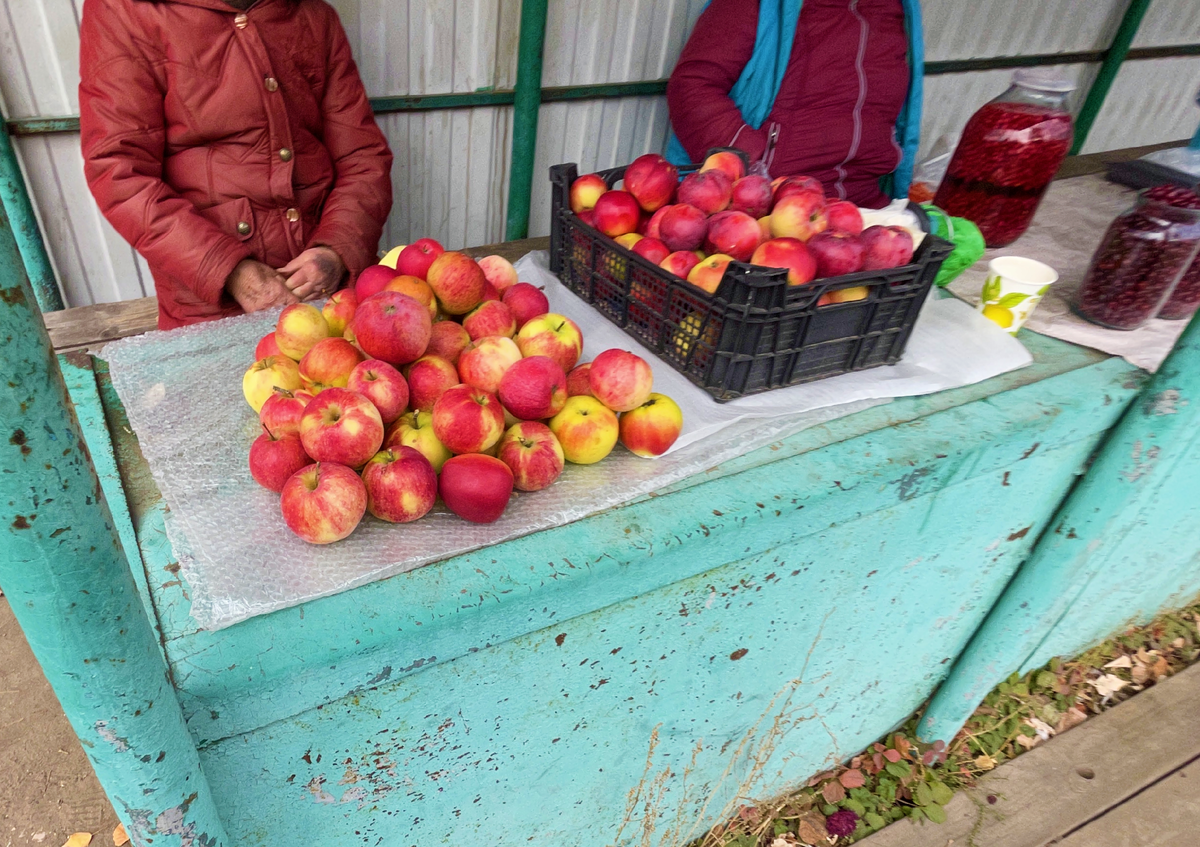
341 426
533 455
383 385
468 420
534 388
323 502
429 377
401 485
526 302
415 259
393 327
275 457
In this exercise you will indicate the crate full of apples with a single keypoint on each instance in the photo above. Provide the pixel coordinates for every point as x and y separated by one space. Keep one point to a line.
436 375
740 282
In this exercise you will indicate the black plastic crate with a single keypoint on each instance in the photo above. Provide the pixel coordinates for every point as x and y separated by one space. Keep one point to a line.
755 332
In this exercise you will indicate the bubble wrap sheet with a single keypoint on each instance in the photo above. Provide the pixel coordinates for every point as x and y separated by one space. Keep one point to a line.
182 392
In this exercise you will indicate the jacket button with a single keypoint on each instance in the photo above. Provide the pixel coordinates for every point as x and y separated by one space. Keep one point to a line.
243 228
239 20
292 215
271 83
285 155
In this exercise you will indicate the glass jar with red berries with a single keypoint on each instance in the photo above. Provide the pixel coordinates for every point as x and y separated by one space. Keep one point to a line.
1141 259
1009 151
1185 299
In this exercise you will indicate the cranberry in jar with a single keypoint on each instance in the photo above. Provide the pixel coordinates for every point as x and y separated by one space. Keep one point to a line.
1009 152
1142 257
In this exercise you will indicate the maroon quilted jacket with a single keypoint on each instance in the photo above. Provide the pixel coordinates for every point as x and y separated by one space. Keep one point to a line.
212 135
843 89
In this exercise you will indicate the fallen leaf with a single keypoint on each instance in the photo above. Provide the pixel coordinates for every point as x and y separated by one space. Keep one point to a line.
1179 643
833 792
819 778
892 755
1144 657
1072 717
877 760
1140 674
1161 668
903 745
1027 742
1107 685
783 841
748 813
985 762
79 839
811 828
1120 662
120 839
853 778
1043 729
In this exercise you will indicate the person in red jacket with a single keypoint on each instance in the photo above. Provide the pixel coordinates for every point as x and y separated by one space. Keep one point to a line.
232 144
837 107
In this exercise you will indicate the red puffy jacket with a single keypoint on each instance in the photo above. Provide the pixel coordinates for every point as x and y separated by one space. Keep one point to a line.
212 135
845 83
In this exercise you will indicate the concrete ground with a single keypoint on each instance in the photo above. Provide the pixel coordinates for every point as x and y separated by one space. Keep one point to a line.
1127 778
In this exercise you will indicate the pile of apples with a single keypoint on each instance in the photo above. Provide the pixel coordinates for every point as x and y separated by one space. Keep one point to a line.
436 375
696 226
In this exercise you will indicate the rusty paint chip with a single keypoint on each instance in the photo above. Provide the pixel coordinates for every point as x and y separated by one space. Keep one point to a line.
737 654
1020 533
560 638
20 522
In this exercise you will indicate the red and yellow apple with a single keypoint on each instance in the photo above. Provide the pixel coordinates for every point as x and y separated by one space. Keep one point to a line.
800 215
846 295
300 326
586 429
616 213
383 385
265 375
393 327
458 282
552 335
500 272
274 457
651 428
526 302
341 426
534 388
475 487
267 346
415 430
585 191
752 195
329 362
652 250
491 317
789 253
735 234
281 411
726 162
620 380
843 216
468 420
628 240
886 247
709 191
786 185
401 485
836 253
680 263
533 455
416 288
578 383
708 273
484 362
682 227
447 339
392 256
650 227
338 310
651 179
323 502
429 377
416 258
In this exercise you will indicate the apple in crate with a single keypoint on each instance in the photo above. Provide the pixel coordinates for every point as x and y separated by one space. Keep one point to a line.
416 258
616 213
651 179
789 253
383 385
586 429
468 420
786 185
735 234
682 227
680 263
837 253
708 273
393 327
281 412
490 317
585 191
846 295
458 282
429 377
552 335
709 191
265 375
843 216
484 362
652 249
401 485
620 380
416 288
534 388
267 346
330 362
500 272
578 382
447 339
629 239
886 247
800 215
274 457
341 426
415 430
728 163
323 502
373 279
338 310
752 195
533 455
526 302
651 428
475 487
391 256
650 227
300 326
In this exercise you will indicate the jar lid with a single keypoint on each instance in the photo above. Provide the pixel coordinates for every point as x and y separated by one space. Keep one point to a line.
1043 79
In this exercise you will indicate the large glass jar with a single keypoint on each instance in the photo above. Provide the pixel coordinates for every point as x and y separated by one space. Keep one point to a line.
1184 301
1141 259
1009 152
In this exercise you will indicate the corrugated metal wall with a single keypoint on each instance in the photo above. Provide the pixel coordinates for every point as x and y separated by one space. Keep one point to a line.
451 171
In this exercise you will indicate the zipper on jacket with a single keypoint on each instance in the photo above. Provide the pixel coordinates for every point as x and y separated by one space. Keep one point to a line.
856 138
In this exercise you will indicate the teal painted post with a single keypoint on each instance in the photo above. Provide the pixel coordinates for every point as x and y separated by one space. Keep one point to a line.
15 198
527 99
1153 436
64 572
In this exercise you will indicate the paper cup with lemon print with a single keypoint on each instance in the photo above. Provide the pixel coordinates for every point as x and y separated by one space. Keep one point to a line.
1014 287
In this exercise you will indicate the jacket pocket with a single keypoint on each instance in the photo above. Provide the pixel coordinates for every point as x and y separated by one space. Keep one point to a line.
233 217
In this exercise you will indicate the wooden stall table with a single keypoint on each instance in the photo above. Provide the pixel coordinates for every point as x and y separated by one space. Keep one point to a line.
632 675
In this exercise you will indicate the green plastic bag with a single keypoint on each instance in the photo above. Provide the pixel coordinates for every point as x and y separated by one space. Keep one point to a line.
964 235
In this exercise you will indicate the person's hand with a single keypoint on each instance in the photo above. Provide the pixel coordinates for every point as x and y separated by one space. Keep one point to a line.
317 272
256 286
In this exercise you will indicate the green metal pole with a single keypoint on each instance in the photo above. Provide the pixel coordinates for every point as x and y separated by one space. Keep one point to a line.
1113 58
65 575
15 197
526 101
